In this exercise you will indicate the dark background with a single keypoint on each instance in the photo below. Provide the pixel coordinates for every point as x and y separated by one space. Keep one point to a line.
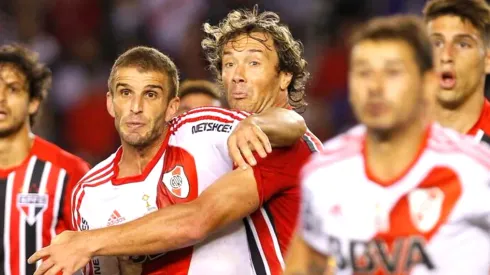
80 40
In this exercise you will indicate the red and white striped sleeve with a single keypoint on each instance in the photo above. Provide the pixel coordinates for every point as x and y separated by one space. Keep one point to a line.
210 125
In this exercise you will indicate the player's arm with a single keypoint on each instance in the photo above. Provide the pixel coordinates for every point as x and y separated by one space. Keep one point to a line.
308 253
304 260
275 127
233 197
77 171
283 127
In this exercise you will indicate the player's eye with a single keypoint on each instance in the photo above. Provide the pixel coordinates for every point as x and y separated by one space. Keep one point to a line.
13 89
393 72
464 45
254 63
228 64
363 73
151 94
125 92
437 43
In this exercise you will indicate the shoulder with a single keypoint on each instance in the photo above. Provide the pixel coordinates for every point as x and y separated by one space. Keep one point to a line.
197 116
48 151
102 170
342 147
445 142
314 144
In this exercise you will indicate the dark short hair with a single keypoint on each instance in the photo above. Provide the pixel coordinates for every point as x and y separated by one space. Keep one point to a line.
475 11
148 59
407 28
289 50
38 75
188 87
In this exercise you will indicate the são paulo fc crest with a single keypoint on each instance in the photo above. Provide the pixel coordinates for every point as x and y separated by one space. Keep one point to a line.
32 205
176 182
425 207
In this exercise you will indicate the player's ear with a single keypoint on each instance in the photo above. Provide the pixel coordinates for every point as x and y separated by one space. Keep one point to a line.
487 59
285 80
172 108
110 104
33 106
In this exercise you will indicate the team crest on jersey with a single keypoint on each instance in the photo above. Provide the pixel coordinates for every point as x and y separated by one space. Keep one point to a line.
425 207
176 182
32 205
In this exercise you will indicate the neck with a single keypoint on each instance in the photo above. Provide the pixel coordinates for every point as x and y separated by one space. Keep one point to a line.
389 155
464 116
15 148
135 159
283 101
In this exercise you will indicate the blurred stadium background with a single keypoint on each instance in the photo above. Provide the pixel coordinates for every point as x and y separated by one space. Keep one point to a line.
79 40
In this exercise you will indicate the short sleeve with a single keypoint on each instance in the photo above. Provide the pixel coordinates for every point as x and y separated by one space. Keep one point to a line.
311 227
74 174
207 125
279 171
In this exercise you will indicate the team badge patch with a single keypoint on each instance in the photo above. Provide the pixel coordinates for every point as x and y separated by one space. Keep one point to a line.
32 205
176 182
425 207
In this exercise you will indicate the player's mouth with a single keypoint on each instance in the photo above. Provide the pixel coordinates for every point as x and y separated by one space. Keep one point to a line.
447 80
375 108
3 114
134 125
239 93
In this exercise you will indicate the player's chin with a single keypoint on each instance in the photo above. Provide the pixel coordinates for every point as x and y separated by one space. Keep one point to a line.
380 124
242 105
450 99
136 139
8 127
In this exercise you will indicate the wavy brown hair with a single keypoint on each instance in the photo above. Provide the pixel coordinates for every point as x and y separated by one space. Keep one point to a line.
38 75
289 50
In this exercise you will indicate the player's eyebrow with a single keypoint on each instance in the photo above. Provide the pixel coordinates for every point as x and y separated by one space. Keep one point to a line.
359 62
394 62
255 51
459 36
152 86
124 85
227 52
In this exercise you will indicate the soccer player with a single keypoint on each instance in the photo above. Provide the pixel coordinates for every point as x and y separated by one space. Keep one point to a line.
198 93
396 194
460 33
36 177
241 223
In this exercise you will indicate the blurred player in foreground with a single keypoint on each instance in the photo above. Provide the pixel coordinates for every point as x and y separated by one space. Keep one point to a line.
460 34
395 195
198 93
244 219
36 177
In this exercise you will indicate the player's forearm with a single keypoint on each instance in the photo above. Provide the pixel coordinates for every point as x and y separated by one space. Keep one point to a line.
170 228
283 127
303 260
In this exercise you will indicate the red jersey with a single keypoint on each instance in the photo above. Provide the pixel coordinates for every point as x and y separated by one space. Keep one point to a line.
270 228
481 129
36 203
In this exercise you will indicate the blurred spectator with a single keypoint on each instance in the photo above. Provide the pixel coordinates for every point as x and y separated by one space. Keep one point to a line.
198 93
79 38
